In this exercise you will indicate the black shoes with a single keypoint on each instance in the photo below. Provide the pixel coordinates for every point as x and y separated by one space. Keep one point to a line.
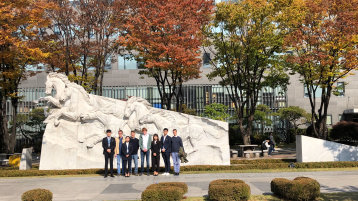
176 174
105 176
112 175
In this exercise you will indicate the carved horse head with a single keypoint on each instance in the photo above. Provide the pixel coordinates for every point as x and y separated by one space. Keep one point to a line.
136 104
146 119
58 82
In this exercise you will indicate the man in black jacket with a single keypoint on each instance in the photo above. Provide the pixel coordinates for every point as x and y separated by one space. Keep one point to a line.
135 144
108 144
166 143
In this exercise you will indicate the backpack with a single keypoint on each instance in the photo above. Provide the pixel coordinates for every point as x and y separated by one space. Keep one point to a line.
263 145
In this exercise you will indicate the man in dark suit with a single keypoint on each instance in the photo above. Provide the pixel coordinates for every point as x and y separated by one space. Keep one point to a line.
135 143
108 144
127 150
166 143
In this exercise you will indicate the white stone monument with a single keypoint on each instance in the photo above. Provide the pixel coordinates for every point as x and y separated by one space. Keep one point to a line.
77 122
309 149
26 159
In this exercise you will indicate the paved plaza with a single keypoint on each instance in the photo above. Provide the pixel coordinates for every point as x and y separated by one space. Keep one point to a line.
121 188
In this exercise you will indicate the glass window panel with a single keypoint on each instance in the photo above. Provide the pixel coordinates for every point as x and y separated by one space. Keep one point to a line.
120 62
206 60
329 120
318 92
130 63
340 88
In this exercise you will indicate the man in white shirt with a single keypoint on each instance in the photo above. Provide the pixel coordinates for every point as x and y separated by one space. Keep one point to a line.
145 142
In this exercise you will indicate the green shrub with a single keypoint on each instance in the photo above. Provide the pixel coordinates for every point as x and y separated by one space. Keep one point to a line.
300 189
228 190
345 131
37 195
164 191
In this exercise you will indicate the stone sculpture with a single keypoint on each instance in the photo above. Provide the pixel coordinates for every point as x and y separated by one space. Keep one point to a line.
77 122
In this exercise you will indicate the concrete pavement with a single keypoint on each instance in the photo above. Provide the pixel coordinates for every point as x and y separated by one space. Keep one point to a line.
121 188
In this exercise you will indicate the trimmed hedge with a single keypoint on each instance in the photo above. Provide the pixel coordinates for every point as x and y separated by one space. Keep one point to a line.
258 166
260 161
228 190
37 195
22 173
165 191
300 189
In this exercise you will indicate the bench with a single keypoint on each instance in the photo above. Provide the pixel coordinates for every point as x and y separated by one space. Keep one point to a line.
4 162
234 153
265 153
255 153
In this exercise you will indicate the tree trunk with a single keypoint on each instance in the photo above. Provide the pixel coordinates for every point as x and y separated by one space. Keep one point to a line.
246 138
3 126
245 133
12 137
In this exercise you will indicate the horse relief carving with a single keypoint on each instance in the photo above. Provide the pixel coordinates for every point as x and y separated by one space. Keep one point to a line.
77 122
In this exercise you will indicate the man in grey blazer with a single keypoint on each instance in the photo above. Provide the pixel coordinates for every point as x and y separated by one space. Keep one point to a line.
145 142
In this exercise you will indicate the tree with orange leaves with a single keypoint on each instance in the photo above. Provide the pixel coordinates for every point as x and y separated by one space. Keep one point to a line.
20 21
324 51
166 36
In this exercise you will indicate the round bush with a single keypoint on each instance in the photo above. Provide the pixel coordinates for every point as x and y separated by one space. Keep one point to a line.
37 195
229 189
280 186
300 189
157 193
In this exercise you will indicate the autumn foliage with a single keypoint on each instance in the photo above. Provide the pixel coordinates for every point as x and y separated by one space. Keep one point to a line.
20 26
166 36
324 51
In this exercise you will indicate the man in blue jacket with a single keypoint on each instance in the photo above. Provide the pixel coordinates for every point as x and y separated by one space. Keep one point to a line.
176 144
166 150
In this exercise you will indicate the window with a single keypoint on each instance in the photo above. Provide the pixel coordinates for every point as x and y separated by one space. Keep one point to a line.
329 120
108 64
340 117
206 60
340 89
126 62
318 91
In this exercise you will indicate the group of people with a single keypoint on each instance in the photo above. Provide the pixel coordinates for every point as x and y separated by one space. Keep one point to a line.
125 149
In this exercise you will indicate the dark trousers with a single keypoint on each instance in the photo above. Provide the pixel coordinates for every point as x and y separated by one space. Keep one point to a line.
126 165
106 157
166 158
155 162
142 156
